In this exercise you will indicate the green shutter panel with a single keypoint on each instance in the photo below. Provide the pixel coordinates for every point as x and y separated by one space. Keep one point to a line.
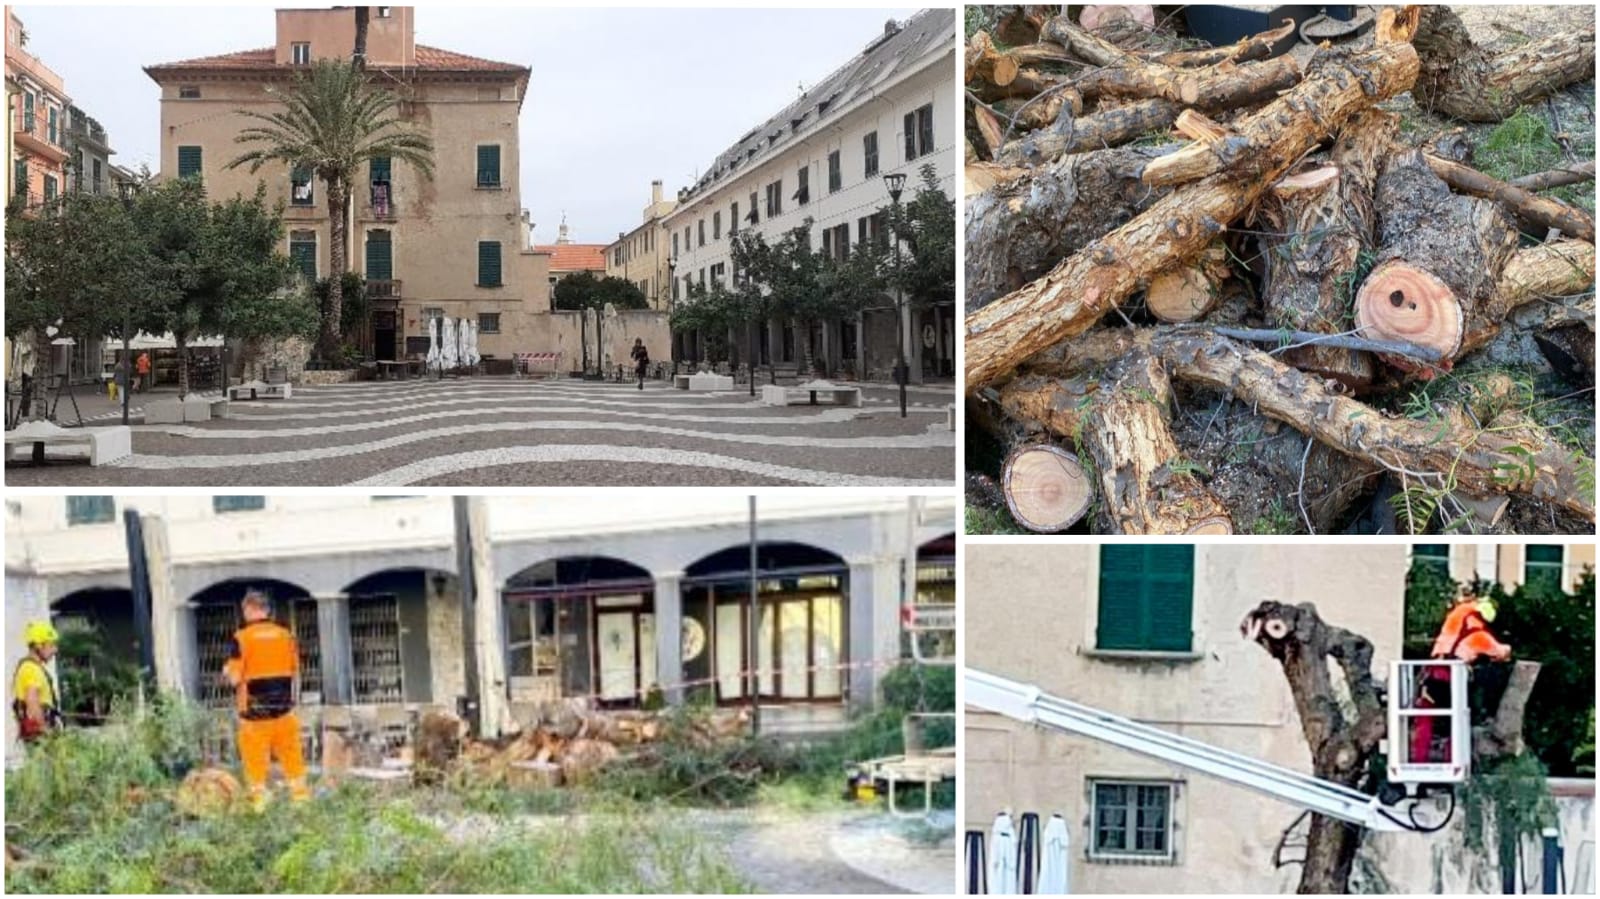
379 167
1169 597
304 255
19 176
188 162
488 263
1121 619
488 165
380 257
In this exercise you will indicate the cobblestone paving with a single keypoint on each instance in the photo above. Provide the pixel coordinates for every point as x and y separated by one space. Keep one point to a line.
513 432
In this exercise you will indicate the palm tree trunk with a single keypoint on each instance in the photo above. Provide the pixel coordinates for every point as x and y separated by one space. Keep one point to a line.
333 315
180 342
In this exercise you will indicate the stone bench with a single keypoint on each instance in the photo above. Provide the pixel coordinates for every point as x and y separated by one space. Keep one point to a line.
104 444
190 409
950 416
708 381
681 381
260 390
807 393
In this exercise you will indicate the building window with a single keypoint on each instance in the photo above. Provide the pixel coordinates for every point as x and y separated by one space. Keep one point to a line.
688 239
380 255
380 186
49 188
1131 818
700 228
775 198
1543 566
836 241
90 510
755 212
19 175
300 187
188 92
27 112
489 165
300 54
802 193
189 162
1146 598
716 225
733 220
674 244
54 134
429 313
488 323
221 504
1435 556
869 151
303 253
385 11
717 272
99 174
919 132
835 176
488 263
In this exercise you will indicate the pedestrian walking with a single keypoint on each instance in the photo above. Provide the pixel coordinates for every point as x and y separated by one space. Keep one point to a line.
143 367
641 359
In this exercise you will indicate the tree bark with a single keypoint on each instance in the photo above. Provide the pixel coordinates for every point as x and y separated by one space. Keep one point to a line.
1503 734
1441 454
1321 222
1121 74
1084 287
1440 257
38 392
180 341
1247 49
1541 212
1106 127
1341 746
989 65
1463 80
1560 268
333 316
1574 174
1019 229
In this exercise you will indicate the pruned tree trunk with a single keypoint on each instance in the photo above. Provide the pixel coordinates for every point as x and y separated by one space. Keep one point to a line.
1045 487
1531 209
38 390
1439 259
1105 127
1321 222
1341 742
1087 285
1502 736
329 347
1463 80
1017 230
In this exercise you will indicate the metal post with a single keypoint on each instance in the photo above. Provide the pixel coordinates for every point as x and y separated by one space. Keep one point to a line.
755 351
127 365
1551 870
755 623
468 706
901 373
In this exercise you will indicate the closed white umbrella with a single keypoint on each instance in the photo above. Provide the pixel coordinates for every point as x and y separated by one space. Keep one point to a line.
447 338
1053 858
1003 856
472 342
433 342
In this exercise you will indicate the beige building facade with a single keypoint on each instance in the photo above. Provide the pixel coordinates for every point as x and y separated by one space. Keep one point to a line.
641 256
1042 614
454 245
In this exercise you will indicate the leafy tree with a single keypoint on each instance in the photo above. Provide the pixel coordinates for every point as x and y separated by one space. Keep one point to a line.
714 312
582 290
334 119
353 300
926 226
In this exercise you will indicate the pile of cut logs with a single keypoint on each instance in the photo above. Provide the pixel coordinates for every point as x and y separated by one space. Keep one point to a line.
1279 241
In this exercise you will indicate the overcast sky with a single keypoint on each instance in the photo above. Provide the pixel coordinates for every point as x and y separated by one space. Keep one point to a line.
618 97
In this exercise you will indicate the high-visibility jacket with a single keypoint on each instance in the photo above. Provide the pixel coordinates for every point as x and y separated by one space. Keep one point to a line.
1465 635
265 661
32 674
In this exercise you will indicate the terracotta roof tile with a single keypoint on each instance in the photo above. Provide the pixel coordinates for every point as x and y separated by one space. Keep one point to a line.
428 58
575 257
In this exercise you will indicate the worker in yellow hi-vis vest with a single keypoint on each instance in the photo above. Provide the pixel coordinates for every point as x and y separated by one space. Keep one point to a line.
34 700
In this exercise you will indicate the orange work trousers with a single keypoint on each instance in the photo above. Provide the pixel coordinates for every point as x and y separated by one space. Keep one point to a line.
261 741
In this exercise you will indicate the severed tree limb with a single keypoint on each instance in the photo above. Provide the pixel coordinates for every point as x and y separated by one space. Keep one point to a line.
1084 287
1106 127
1573 174
1503 735
1442 453
1555 269
1342 341
1258 46
1000 67
1529 207
1463 80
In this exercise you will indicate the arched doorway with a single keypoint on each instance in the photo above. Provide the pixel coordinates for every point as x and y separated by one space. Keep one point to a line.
216 616
98 661
581 627
800 623
396 619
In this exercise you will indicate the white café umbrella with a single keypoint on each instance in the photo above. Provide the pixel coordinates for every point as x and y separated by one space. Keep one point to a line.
433 342
472 342
1053 858
447 339
1003 856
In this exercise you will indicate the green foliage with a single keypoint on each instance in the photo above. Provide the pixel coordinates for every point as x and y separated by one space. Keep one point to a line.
713 312
1511 795
1524 145
926 270
93 679
1275 519
1585 750
1429 593
583 290
353 303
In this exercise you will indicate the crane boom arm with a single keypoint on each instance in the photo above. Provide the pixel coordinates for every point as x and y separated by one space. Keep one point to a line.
1027 703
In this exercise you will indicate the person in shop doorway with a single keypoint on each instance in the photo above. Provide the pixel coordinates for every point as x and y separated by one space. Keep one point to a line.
263 668
641 359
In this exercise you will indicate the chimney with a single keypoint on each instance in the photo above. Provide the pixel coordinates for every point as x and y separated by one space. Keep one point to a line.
655 191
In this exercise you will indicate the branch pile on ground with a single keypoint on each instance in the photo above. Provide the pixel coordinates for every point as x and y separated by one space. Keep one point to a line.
1298 257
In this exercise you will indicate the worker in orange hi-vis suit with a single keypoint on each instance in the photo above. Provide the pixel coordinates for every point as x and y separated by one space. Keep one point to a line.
1465 634
262 669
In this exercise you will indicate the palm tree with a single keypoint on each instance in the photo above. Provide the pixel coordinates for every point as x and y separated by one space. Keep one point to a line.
333 120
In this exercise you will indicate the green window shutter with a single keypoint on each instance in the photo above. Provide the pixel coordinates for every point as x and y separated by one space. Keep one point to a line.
188 162
380 256
49 187
238 503
1146 598
488 165
379 168
304 255
1542 567
19 176
488 263
53 134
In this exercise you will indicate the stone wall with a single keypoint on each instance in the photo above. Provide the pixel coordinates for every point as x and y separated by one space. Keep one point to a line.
334 376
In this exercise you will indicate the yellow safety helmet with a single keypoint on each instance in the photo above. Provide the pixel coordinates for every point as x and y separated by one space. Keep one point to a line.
38 632
1486 608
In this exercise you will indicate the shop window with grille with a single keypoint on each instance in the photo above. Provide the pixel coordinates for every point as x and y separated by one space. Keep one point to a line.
375 648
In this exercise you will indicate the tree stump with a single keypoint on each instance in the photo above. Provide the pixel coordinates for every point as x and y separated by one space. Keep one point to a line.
1045 487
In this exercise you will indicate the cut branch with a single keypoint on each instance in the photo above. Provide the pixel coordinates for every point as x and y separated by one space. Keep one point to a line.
1106 127
1530 208
1574 174
1463 80
1247 49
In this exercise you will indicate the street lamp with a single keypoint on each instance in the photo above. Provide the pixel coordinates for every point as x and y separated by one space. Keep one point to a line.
896 182
127 322
672 290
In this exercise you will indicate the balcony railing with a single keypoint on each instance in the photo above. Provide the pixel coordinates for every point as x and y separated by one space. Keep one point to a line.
383 290
381 201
